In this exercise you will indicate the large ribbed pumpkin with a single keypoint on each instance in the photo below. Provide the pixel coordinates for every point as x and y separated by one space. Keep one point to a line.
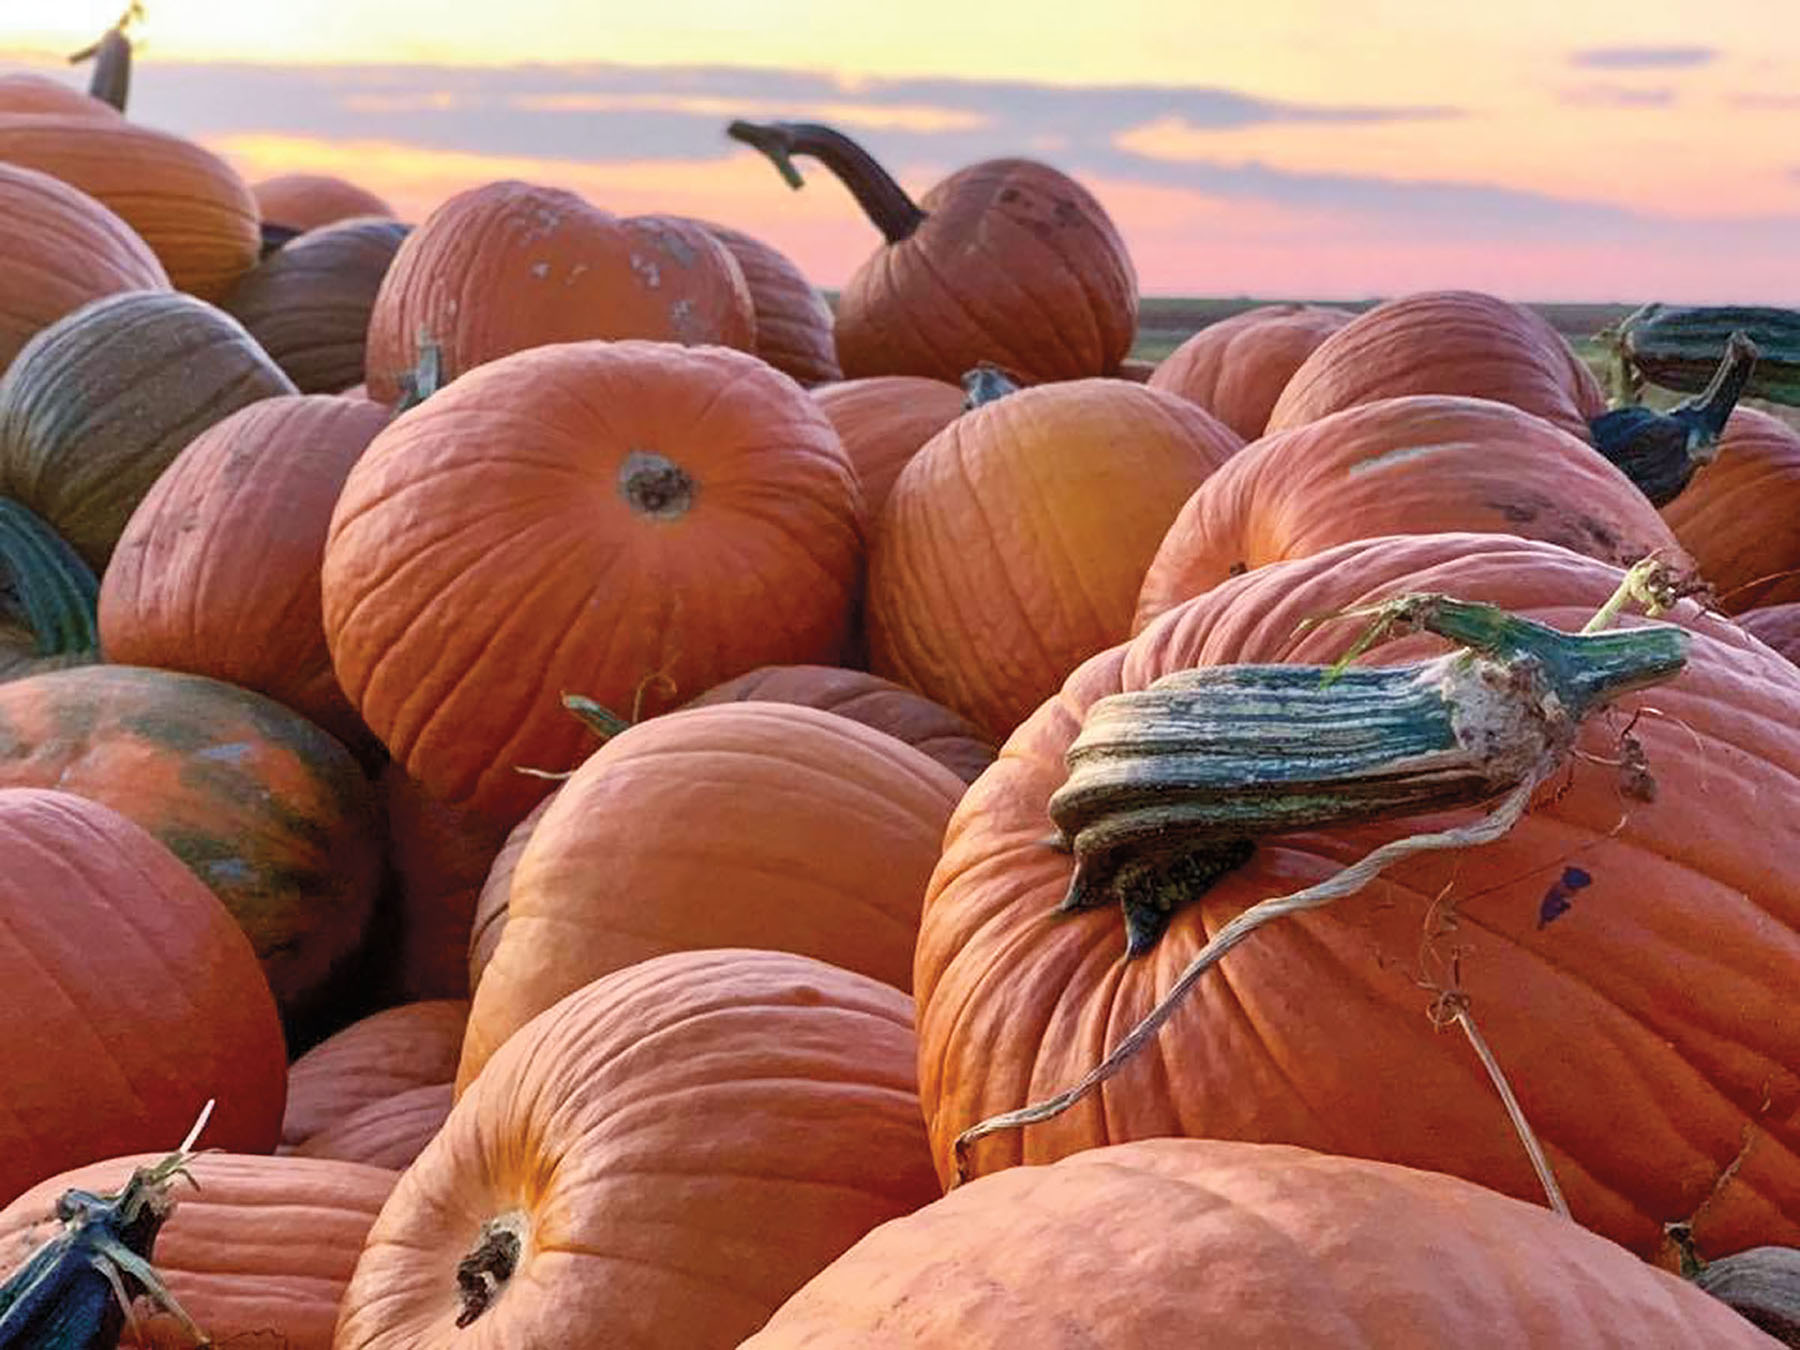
306 201
1007 261
1424 464
217 571
741 825
1167 1244
374 1058
1236 368
949 739
261 805
793 322
1013 544
101 402
259 1254
131 996
883 420
508 266
1444 342
1740 515
1777 626
600 518
308 303
658 1160
391 1132
59 249
189 205
1649 1031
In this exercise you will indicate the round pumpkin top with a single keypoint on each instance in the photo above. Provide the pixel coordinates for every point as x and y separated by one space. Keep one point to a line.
1644 1030
1737 515
1422 464
793 322
1444 342
1170 1243
305 201
1236 368
132 996
26 91
600 518
883 420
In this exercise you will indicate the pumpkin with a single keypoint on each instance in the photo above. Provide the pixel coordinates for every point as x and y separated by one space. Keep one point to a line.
1642 1024
883 420
868 699
26 91
132 997
391 1132
509 266
1007 261
47 594
1737 514
261 805
493 904
1013 544
189 206
307 201
1236 368
59 249
1168 1243
572 1186
1421 464
810 833
258 1251
217 571
308 303
1778 626
98 404
439 858
632 521
1444 342
375 1058
793 322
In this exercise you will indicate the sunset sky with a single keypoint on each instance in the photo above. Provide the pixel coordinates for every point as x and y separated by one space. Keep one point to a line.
1576 149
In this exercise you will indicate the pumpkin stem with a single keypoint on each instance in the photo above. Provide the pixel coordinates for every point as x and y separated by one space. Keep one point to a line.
425 378
656 486
483 1273
883 200
986 384
49 582
1660 451
596 717
111 55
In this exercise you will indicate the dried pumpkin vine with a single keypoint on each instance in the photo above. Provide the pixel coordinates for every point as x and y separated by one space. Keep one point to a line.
1169 785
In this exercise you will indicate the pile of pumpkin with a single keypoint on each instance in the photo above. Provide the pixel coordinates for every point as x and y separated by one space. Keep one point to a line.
571 745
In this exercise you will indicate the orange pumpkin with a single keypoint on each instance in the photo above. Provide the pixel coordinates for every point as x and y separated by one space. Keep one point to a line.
1444 342
793 322
372 1060
1777 626
493 904
1645 1031
883 420
59 249
871 700
1423 464
189 206
391 1132
1013 544
1008 261
217 571
305 201
131 996
1737 515
1236 368
258 1253
572 1189
26 91
593 517
810 833
1169 1243
262 806
509 266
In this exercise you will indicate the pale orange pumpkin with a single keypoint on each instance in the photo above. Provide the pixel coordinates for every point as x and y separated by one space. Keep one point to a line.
1738 514
1236 368
883 420
371 1060
305 201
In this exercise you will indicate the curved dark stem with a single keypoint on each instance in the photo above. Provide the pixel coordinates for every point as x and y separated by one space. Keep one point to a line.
1660 451
883 200
111 55
1705 414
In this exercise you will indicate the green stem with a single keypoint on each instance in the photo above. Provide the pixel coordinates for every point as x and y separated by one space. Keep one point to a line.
50 583
986 384
882 199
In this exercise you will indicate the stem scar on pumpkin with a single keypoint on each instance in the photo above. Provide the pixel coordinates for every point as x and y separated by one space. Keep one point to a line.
1211 755
484 1272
